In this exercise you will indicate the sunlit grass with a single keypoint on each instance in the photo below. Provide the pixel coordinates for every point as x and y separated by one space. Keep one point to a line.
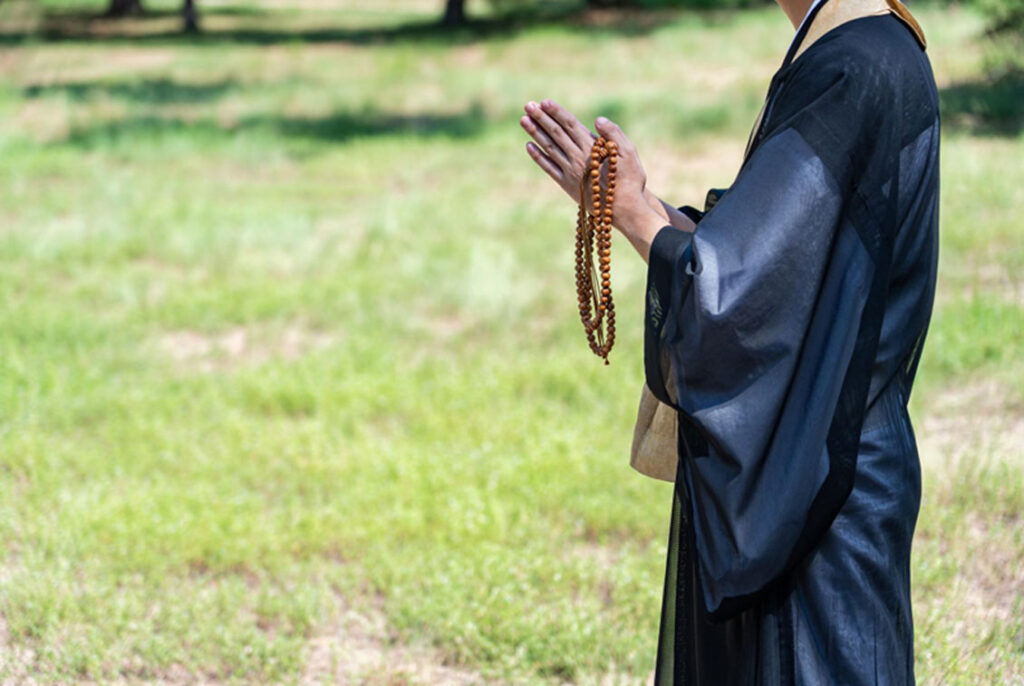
288 327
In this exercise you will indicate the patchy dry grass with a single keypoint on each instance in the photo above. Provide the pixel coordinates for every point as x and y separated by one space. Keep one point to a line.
969 550
203 352
359 648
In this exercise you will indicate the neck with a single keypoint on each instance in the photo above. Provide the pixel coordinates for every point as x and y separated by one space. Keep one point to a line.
796 10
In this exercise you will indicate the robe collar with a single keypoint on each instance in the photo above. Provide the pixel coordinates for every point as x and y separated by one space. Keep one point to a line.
803 22
801 32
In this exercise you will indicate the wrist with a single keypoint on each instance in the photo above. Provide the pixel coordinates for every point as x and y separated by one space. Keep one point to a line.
640 226
655 203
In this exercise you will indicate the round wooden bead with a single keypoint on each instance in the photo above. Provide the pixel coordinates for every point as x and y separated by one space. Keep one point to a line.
593 250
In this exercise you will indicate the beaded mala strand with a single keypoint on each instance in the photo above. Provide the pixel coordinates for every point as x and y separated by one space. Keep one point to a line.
594 232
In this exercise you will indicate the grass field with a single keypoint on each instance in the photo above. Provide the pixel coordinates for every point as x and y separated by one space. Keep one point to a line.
292 387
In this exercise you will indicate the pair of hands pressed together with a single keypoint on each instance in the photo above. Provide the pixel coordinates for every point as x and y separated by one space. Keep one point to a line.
561 147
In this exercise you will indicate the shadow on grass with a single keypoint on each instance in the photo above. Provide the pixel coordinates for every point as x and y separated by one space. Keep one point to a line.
343 126
148 91
153 27
339 127
986 106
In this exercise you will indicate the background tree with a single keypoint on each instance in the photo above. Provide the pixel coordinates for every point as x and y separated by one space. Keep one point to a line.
124 8
454 13
190 16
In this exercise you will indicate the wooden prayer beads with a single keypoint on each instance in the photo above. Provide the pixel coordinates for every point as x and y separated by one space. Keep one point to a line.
594 233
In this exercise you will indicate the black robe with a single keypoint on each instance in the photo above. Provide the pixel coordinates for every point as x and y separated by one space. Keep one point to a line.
786 331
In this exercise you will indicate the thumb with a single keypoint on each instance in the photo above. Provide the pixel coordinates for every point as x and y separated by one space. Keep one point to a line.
610 130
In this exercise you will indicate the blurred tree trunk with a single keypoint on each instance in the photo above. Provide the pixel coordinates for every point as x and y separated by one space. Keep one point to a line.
122 8
191 16
454 13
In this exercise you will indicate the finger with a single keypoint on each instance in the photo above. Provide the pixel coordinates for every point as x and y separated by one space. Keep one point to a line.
580 134
545 162
544 141
554 130
612 132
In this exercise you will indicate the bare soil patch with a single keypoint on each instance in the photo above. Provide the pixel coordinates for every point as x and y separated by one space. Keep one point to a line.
15 661
86 64
995 576
964 416
211 352
359 648
684 177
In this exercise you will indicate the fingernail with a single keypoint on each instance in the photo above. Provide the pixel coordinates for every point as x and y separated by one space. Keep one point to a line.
546 102
531 106
601 121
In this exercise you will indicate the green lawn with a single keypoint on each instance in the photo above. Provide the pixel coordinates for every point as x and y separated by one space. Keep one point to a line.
292 386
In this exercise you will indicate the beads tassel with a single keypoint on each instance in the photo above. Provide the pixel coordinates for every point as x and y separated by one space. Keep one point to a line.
594 236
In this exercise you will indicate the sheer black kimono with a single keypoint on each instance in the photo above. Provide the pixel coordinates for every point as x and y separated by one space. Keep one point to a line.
786 332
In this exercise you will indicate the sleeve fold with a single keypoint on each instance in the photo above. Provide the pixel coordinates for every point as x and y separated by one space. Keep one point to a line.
750 327
670 248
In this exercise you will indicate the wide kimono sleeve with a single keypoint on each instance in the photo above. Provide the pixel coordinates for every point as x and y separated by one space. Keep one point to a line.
755 334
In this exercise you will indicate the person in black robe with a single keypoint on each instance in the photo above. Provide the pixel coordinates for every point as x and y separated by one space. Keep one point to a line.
784 324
